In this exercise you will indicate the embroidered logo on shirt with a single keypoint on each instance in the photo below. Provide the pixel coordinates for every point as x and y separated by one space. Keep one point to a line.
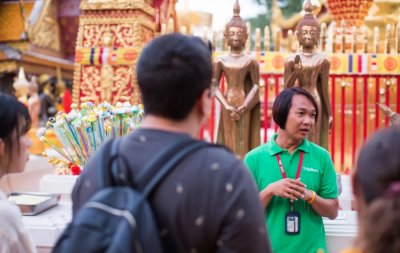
310 169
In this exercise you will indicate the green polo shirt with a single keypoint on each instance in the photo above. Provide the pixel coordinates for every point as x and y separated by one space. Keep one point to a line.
317 173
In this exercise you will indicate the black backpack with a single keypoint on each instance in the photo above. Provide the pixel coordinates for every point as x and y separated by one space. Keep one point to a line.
118 218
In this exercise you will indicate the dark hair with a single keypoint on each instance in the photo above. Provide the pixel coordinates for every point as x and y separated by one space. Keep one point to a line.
13 116
283 103
378 170
172 72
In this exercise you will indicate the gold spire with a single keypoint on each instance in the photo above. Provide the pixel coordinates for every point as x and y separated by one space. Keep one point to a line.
307 6
236 9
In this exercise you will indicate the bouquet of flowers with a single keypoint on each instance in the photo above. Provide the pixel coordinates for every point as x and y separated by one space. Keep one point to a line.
81 132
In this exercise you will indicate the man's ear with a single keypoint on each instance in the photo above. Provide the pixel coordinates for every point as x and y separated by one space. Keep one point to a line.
354 185
2 147
204 103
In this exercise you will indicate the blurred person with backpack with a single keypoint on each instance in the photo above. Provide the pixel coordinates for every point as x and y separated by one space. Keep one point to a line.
207 203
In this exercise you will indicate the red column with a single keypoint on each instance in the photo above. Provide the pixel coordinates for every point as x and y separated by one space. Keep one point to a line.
276 94
212 120
342 125
266 101
377 86
333 82
398 95
387 98
365 101
354 137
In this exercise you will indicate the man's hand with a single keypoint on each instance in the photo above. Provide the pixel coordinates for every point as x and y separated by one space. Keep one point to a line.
288 188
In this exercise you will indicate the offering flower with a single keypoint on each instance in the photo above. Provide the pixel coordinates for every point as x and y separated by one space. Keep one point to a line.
81 132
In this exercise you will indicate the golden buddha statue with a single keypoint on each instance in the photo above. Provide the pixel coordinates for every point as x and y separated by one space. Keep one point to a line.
107 71
239 127
107 83
310 70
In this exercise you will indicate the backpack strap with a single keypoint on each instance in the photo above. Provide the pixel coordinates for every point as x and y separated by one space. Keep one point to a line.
109 153
153 171
160 171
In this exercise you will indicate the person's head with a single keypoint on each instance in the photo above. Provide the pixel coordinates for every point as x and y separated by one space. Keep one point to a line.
236 30
14 144
308 29
376 187
174 71
295 111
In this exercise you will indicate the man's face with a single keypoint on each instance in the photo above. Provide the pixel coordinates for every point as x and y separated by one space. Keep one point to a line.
301 117
308 36
236 37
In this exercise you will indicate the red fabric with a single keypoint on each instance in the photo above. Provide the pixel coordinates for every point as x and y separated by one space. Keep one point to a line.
67 101
157 3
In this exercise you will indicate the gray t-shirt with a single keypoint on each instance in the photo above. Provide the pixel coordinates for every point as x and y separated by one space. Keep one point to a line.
208 203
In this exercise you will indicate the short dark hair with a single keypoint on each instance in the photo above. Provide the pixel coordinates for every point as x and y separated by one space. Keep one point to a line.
172 72
283 103
12 115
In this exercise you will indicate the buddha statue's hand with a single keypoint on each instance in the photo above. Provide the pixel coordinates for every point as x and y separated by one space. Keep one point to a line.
242 109
298 66
235 116
232 112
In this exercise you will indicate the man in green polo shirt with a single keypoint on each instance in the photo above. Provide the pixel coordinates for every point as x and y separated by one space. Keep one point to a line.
296 178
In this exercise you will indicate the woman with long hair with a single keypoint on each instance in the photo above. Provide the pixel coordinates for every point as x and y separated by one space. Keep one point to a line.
376 188
14 124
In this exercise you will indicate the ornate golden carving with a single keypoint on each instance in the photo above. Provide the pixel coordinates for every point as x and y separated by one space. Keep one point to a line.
117 5
92 29
105 83
45 33
130 28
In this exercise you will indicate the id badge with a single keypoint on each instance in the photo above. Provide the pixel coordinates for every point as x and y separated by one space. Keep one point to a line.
292 223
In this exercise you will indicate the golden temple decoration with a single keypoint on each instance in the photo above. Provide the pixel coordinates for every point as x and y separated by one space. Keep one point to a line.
98 5
398 38
46 33
257 46
8 66
351 11
266 38
110 38
388 39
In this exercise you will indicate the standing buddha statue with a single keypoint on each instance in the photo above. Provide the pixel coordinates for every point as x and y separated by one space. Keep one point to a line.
239 127
107 71
310 70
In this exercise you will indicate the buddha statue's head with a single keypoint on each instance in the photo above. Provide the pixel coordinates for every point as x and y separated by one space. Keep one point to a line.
308 28
236 30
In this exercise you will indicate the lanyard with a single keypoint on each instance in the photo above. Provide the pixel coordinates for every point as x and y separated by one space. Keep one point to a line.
278 158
